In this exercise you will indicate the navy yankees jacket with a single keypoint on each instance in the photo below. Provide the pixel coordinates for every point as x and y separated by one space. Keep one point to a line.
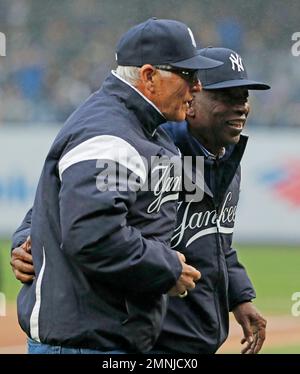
100 238
199 322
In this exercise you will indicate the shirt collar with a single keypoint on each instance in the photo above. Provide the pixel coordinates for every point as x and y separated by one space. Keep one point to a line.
210 155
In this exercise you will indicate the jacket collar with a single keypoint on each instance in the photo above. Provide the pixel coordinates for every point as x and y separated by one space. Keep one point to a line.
234 153
146 112
229 167
229 162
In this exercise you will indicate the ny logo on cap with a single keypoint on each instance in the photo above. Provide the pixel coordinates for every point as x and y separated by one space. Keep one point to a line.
236 61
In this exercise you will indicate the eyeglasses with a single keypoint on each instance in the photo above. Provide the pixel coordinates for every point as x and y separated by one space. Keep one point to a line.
189 75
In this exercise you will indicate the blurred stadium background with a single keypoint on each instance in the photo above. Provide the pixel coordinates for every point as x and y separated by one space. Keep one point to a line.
59 51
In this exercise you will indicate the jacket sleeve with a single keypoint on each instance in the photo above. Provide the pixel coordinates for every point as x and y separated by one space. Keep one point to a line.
240 286
23 231
96 234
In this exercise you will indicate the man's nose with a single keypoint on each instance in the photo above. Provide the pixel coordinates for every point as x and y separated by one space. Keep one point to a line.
241 108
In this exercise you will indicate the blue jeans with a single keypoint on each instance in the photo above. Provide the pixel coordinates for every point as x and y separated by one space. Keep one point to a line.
35 347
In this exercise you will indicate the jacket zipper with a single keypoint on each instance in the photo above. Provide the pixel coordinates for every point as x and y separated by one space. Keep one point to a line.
219 249
219 272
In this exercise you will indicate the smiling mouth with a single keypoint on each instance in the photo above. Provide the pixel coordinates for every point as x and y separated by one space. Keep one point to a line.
237 124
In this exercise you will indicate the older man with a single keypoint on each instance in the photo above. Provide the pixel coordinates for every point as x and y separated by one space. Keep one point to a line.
100 240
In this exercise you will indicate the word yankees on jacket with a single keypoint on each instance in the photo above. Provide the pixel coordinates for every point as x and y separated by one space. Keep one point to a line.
204 222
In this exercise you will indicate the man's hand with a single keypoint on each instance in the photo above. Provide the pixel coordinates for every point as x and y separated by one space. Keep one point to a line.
253 325
187 279
21 262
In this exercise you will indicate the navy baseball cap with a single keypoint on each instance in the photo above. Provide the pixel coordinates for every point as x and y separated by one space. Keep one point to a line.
231 74
161 42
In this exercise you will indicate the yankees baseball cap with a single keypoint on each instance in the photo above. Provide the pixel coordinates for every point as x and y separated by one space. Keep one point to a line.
231 74
161 42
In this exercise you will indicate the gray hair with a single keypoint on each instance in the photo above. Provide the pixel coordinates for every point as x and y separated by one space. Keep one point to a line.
131 74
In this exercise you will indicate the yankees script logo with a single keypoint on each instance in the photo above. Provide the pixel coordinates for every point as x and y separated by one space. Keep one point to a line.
165 183
204 223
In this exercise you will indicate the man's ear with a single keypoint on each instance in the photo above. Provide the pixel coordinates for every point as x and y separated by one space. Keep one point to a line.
147 74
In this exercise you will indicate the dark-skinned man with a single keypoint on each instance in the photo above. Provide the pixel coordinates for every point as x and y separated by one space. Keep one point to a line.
199 322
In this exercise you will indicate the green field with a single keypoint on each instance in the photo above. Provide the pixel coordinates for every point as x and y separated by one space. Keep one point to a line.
287 349
275 272
8 284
